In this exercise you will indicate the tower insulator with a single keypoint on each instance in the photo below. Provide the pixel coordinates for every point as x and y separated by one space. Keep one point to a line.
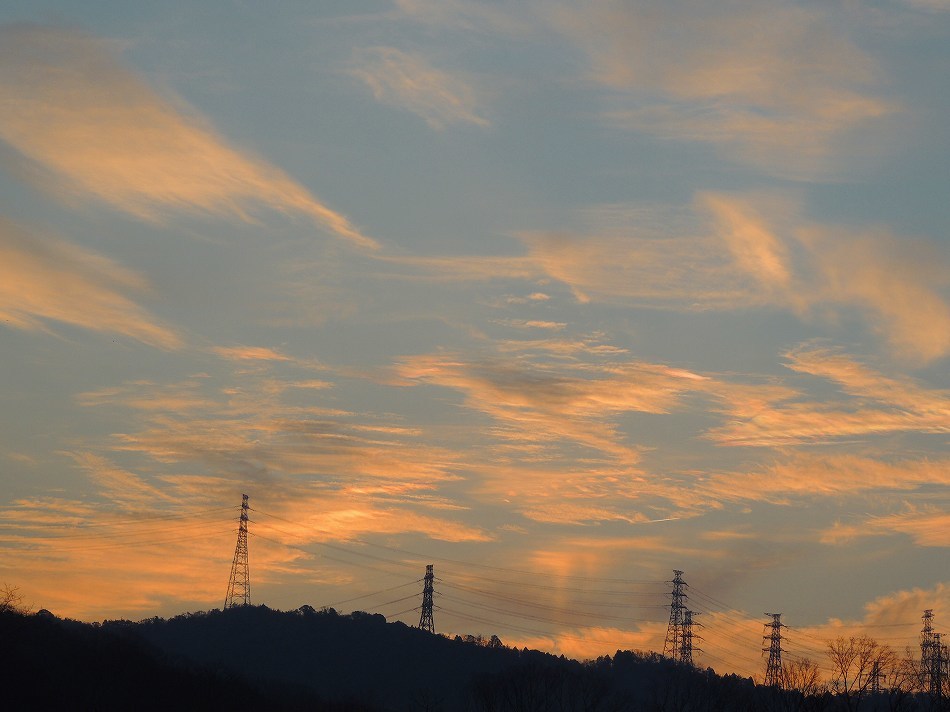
239 587
425 618
773 669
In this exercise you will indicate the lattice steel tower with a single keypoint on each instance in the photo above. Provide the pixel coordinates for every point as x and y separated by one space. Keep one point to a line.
773 669
239 587
425 619
938 664
877 674
673 646
686 644
927 648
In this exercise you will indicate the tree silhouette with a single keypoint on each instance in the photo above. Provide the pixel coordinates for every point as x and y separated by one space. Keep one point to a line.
11 599
853 660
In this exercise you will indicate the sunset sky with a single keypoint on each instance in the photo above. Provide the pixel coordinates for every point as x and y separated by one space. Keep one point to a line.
556 296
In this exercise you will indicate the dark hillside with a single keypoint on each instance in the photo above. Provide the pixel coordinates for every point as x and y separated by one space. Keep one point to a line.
260 659
52 664
357 656
392 666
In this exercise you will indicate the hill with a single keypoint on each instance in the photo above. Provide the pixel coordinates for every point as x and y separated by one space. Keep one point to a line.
52 664
257 658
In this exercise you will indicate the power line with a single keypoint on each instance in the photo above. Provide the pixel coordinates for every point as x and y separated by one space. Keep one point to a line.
423 557
534 604
374 593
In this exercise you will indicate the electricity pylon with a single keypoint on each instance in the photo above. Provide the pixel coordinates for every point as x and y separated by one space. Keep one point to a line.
425 619
239 587
877 674
773 669
938 663
927 648
673 646
686 644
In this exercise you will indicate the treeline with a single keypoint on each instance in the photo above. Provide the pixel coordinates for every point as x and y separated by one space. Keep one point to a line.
257 658
52 664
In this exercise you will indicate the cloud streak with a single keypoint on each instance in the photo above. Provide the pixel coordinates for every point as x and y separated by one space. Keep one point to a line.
879 405
756 251
69 107
44 279
771 83
408 81
539 404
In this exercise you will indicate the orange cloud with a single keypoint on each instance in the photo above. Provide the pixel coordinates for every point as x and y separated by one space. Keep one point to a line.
808 476
897 281
632 266
901 406
336 473
87 561
926 525
538 403
70 108
771 83
250 353
733 252
44 279
161 542
861 381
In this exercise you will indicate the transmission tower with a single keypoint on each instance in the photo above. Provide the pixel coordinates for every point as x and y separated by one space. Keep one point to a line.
425 619
773 669
877 674
938 663
673 646
686 644
239 587
927 648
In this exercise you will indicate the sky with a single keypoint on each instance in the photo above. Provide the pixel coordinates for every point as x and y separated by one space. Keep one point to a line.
558 297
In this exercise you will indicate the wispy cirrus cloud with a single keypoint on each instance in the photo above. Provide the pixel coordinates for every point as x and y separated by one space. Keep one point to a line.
757 251
69 107
732 252
267 428
926 525
542 404
43 279
663 272
878 405
119 558
809 476
774 84
408 81
898 284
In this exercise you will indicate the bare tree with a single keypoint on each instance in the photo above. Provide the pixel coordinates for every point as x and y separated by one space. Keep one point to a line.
803 676
11 599
852 662
903 680
801 688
